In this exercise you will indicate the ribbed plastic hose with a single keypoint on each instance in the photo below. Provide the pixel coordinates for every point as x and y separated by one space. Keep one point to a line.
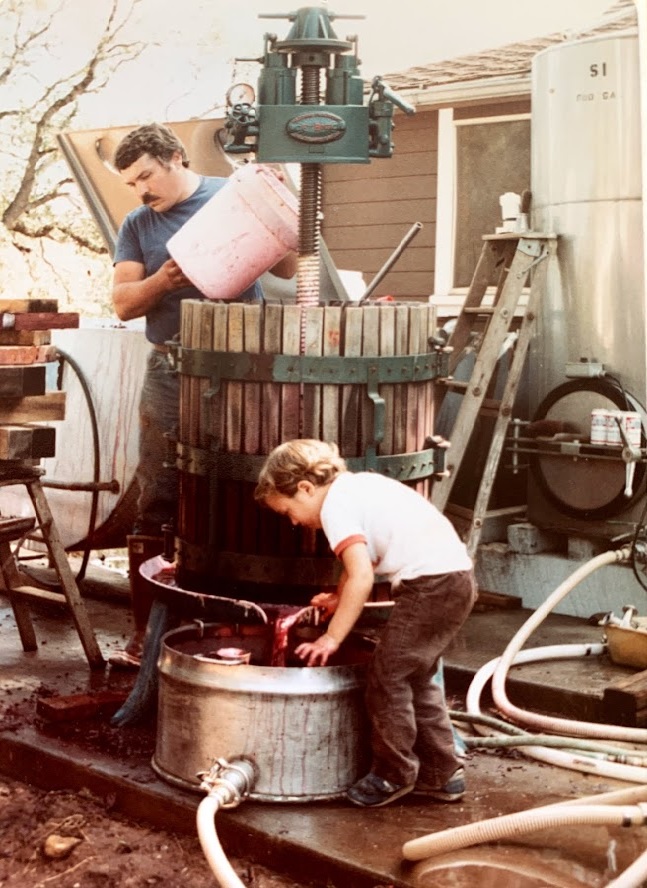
560 758
523 822
211 847
554 725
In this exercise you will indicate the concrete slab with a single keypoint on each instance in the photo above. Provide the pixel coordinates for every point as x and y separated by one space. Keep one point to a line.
333 843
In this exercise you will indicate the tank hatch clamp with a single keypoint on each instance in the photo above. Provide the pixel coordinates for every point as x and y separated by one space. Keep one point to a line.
508 258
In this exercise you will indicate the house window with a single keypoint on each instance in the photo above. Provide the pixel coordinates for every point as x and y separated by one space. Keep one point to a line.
479 159
492 157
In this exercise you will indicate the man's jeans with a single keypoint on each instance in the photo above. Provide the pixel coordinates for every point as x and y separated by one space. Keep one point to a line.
159 408
411 732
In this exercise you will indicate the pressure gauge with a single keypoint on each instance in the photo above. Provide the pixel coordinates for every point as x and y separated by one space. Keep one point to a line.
240 94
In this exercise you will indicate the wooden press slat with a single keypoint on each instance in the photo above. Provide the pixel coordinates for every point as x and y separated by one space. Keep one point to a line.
215 417
387 349
290 392
330 393
270 423
370 348
411 422
251 429
311 427
187 507
289 538
349 433
400 395
312 399
231 519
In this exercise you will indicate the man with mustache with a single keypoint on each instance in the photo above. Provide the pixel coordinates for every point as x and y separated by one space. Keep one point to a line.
153 162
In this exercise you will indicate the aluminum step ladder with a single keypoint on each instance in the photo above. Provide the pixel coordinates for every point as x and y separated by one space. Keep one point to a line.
512 256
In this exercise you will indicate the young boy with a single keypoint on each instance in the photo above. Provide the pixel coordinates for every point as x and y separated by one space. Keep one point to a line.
376 525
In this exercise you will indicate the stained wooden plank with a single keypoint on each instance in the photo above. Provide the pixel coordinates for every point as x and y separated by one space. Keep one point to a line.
17 381
38 320
27 441
29 305
625 701
25 337
27 354
34 408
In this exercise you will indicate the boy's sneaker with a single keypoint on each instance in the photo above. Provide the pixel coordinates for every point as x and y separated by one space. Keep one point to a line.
452 791
373 792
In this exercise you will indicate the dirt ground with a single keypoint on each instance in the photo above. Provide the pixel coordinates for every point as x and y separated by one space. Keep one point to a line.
110 851
107 851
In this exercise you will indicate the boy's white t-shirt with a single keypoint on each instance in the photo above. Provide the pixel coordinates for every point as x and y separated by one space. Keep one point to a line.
406 535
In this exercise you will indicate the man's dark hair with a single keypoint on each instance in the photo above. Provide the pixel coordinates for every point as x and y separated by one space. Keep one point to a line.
152 138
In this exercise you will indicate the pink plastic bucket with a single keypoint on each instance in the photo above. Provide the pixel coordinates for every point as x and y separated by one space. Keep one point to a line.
241 232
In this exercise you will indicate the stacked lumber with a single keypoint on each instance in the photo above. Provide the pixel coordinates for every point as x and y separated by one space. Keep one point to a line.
25 351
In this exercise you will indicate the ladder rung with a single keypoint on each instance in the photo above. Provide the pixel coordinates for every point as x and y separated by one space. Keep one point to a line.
479 309
454 385
39 594
489 407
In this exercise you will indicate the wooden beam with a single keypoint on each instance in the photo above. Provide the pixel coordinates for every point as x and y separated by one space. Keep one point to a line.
27 354
35 408
25 337
18 381
39 320
27 441
30 305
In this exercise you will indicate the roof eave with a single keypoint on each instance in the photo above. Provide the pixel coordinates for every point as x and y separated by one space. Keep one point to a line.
467 92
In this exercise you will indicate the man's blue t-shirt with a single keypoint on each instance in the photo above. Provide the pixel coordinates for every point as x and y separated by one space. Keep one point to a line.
142 238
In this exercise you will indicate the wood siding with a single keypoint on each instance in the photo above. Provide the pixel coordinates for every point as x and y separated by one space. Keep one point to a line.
369 208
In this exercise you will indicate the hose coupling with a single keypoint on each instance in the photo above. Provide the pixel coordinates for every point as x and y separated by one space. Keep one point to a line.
231 782
623 554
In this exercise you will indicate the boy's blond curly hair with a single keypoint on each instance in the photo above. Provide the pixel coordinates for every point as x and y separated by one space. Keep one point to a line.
304 459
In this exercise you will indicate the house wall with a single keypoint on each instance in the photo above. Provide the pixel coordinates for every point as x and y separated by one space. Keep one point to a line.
369 208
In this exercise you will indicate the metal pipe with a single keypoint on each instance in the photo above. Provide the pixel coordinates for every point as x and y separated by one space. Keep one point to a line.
390 262
110 486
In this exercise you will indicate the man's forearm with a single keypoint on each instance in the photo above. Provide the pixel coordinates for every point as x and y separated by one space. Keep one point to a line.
133 299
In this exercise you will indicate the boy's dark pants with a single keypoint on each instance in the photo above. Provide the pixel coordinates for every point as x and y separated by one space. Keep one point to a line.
411 733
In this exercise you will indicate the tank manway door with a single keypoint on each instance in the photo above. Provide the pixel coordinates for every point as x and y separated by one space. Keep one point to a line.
513 257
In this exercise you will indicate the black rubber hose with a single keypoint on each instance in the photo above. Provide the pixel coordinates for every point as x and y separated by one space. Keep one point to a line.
64 356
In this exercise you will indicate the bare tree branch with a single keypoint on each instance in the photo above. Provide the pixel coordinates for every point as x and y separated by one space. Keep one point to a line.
63 97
